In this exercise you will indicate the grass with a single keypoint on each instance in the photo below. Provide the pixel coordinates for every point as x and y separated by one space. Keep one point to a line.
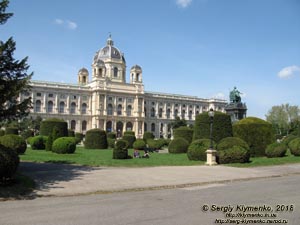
19 188
89 157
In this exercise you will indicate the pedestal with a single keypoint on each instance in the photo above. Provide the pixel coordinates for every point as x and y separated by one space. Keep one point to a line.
211 157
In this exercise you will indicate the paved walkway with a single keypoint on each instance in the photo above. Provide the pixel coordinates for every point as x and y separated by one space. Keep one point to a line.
66 180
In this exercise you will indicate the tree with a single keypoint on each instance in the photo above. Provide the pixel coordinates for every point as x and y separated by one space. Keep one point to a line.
284 118
178 123
13 77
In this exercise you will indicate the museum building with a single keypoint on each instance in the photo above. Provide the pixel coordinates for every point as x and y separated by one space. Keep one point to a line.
108 102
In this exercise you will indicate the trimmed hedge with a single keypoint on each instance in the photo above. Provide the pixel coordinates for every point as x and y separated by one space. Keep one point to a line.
121 150
288 139
14 142
294 147
130 138
184 132
197 149
235 154
229 142
48 125
112 135
111 142
38 142
95 139
222 126
148 135
154 145
2 132
9 162
78 137
276 150
11 130
178 145
139 144
129 133
256 132
64 145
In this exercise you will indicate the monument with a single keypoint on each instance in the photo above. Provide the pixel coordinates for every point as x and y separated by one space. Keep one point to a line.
236 108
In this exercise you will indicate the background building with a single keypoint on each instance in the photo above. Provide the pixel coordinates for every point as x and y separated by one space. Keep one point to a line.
109 103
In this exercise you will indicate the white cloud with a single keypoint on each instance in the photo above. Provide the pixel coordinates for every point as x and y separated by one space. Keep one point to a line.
183 3
219 96
288 72
66 23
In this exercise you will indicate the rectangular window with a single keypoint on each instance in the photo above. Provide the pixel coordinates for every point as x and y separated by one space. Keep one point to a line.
120 99
84 98
50 95
38 94
74 96
62 96
110 99
129 100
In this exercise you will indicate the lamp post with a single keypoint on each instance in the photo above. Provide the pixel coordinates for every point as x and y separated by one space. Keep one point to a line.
211 153
211 114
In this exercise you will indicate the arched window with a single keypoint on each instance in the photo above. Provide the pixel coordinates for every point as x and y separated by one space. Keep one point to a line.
73 125
168 113
129 108
61 107
176 113
129 126
145 127
197 112
109 110
152 112
119 110
83 125
160 112
100 72
152 127
183 114
83 108
108 126
50 107
115 72
190 114
38 106
145 111
73 107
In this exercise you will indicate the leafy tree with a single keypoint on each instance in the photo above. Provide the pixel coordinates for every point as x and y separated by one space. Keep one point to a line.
284 118
13 77
178 123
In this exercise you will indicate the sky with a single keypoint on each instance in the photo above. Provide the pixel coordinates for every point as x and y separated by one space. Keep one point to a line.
200 48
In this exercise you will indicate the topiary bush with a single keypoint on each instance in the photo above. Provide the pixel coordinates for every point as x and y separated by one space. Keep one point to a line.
9 162
26 134
130 139
256 132
14 142
2 132
235 154
197 149
229 142
71 133
64 145
288 139
112 135
38 142
121 150
184 132
154 145
129 133
222 126
11 130
48 125
178 145
111 142
95 139
139 144
148 135
276 150
78 137
294 146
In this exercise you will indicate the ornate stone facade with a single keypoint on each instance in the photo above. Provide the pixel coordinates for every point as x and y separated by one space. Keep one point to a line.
109 103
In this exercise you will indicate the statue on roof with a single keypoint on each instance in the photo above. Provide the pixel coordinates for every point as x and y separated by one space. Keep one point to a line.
235 96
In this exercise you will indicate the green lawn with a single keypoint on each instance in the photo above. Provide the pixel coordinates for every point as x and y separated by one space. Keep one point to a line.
91 157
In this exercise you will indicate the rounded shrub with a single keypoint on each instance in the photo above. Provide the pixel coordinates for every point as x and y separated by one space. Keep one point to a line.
256 132
71 133
130 139
14 142
222 126
229 142
2 132
288 139
78 137
139 144
184 132
111 142
294 147
129 132
235 154
48 125
26 134
11 130
148 135
178 145
64 145
112 135
197 149
121 150
276 150
154 145
95 139
9 162
38 142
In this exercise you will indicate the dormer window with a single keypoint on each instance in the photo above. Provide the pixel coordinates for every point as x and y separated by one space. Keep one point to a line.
115 72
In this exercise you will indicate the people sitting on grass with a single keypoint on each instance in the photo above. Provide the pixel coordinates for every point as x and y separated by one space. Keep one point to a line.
136 153
146 155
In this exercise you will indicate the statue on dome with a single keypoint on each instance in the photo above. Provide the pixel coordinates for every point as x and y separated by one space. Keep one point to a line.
235 96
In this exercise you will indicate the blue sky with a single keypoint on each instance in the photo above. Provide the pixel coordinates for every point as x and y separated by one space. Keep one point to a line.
192 47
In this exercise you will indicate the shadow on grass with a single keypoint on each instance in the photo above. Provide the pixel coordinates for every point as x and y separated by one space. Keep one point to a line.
45 176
